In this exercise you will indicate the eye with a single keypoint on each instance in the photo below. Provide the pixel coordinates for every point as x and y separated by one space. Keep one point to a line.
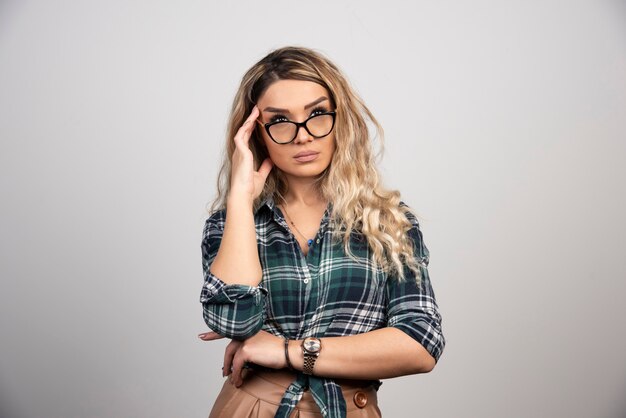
278 118
318 111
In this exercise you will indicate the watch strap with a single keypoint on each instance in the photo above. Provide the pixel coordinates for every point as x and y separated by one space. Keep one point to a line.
309 363
309 356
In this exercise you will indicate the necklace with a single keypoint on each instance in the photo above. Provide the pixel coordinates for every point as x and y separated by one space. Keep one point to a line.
308 241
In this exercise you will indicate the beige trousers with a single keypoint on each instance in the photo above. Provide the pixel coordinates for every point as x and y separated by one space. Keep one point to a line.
261 392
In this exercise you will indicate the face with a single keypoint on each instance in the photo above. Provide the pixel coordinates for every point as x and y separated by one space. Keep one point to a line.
296 101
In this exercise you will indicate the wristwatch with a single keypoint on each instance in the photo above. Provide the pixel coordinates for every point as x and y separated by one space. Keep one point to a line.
311 348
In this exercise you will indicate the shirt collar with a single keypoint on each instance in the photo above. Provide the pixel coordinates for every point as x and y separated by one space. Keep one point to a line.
267 202
270 203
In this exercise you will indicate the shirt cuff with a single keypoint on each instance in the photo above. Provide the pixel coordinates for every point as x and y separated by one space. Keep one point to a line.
216 291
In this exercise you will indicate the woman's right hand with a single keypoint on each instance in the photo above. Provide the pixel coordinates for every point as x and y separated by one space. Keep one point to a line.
245 182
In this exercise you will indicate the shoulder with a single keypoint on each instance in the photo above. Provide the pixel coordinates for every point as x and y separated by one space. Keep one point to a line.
415 234
409 213
215 222
216 217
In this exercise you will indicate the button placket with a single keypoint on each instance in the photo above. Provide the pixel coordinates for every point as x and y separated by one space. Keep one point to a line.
303 262
312 255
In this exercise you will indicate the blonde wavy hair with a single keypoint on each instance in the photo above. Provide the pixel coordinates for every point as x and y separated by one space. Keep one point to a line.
351 182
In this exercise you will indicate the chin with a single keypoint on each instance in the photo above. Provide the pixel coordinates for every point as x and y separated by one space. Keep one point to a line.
305 171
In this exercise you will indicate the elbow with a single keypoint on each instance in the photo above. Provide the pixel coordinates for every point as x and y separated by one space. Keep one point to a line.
244 332
426 363
421 361
235 312
421 354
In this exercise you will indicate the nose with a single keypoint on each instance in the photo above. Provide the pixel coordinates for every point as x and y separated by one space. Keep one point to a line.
303 136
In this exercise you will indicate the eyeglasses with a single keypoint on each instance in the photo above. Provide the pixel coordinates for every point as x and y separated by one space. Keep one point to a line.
286 131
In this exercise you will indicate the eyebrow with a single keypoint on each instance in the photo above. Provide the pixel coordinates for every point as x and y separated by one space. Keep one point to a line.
278 110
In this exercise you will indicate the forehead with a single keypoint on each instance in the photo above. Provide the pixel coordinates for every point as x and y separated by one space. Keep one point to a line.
291 94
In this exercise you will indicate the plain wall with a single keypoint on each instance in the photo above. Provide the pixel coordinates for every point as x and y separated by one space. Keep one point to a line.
504 125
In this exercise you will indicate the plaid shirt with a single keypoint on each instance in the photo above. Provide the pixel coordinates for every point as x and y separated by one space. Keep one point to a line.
322 294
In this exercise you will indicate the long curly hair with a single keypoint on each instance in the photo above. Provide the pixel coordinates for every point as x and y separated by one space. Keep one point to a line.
351 182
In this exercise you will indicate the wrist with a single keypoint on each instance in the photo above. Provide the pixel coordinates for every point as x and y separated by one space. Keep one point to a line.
295 354
239 200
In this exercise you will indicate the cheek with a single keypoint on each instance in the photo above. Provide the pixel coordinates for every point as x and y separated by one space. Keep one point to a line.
332 146
273 150
268 145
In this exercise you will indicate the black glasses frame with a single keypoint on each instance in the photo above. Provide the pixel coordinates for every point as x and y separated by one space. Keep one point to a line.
299 125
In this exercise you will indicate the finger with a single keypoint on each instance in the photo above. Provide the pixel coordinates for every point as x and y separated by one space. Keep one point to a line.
254 113
210 336
238 362
244 132
229 353
265 168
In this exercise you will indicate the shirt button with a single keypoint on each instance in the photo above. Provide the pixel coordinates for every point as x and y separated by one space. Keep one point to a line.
305 281
360 399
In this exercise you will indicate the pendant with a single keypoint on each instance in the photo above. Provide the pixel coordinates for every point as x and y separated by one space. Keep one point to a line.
309 242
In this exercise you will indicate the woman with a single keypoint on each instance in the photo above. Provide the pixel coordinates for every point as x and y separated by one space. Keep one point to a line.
315 271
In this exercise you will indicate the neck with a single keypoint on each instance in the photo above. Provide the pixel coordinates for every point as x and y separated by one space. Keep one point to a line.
302 192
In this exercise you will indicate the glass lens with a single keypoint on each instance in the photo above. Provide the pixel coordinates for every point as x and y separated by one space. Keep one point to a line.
283 131
320 125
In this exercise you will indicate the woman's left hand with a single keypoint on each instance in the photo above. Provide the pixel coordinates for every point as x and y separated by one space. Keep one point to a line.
262 348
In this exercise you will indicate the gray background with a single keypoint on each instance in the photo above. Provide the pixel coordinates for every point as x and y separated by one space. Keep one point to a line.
505 127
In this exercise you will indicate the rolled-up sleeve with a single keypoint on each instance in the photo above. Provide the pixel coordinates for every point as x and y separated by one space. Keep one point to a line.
232 310
412 308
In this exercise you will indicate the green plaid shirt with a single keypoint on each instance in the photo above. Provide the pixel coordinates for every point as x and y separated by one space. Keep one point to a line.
322 294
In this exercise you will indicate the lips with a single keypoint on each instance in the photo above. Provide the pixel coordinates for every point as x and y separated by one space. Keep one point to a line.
306 156
305 153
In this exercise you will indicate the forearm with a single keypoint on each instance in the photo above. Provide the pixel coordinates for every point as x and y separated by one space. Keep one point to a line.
237 260
378 354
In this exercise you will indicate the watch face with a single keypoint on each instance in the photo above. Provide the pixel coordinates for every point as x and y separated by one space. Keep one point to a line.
312 345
